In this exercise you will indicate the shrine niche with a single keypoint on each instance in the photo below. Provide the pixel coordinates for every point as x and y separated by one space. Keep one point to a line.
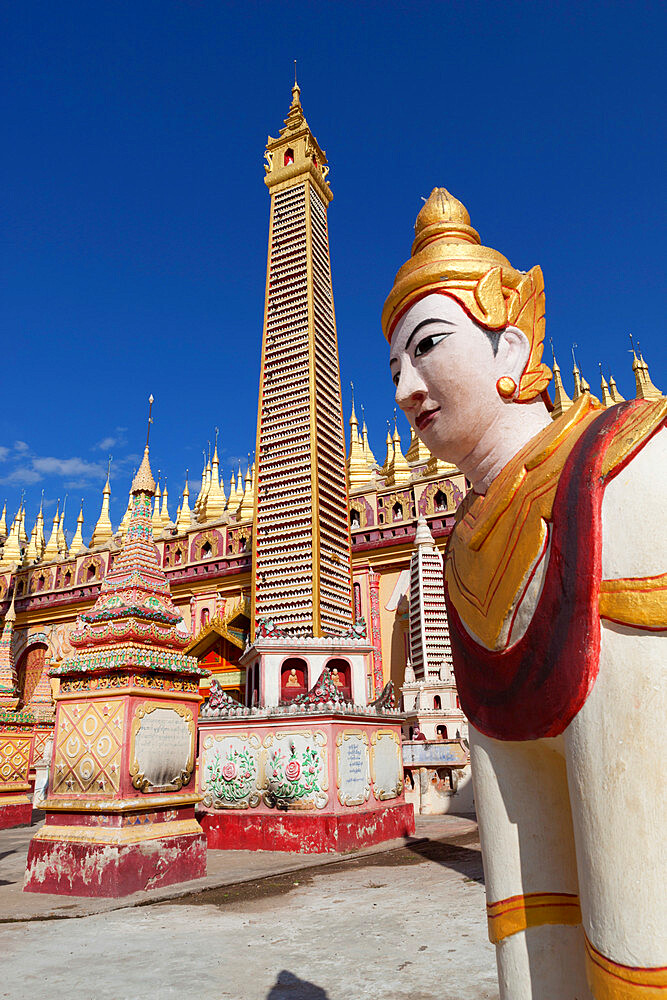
396 506
207 545
175 553
30 669
239 540
65 575
341 675
440 498
91 570
219 643
364 518
293 678
40 580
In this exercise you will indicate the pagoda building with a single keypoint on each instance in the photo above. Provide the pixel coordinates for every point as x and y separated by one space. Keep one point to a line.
301 560
119 812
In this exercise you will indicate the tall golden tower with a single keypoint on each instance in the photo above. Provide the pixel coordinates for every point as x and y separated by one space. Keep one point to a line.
301 552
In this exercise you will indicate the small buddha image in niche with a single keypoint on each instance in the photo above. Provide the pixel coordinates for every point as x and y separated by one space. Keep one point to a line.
292 679
336 678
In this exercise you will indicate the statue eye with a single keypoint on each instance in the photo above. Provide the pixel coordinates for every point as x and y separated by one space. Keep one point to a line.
427 343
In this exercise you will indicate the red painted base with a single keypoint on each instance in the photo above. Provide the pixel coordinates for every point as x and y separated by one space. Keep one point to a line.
307 833
16 814
79 869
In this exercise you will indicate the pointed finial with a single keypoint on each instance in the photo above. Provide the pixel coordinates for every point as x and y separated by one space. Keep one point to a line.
109 466
150 418
41 503
574 360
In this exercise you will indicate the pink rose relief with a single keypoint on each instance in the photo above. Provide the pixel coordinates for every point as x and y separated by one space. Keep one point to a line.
229 770
292 770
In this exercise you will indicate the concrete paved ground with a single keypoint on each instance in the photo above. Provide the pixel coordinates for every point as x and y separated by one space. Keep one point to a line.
386 925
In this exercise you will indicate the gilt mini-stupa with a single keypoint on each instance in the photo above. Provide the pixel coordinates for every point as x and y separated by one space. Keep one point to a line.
121 797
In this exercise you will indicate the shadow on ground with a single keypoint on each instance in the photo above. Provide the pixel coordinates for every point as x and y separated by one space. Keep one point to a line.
289 987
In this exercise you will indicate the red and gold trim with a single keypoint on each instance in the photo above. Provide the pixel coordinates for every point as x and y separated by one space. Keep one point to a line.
610 980
640 602
517 913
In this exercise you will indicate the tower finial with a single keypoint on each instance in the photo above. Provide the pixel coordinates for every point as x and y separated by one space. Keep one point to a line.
150 418
295 83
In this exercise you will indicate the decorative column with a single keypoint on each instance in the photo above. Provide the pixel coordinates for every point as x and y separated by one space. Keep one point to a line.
120 805
376 630
16 737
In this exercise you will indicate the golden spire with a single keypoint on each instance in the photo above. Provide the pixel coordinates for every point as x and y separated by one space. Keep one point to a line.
62 540
296 153
41 541
202 491
248 502
239 486
32 552
51 550
605 395
156 519
11 552
9 686
103 530
358 472
645 387
390 453
368 454
399 470
578 387
615 394
215 497
77 541
561 399
23 537
3 522
166 520
417 452
232 502
184 517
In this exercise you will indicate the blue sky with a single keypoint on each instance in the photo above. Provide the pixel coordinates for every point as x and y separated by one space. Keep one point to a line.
135 217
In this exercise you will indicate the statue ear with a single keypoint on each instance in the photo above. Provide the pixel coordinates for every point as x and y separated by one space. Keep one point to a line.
513 353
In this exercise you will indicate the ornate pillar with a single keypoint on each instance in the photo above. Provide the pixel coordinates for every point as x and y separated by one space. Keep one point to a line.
376 630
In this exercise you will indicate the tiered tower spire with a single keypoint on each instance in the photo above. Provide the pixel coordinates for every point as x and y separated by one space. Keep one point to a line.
301 552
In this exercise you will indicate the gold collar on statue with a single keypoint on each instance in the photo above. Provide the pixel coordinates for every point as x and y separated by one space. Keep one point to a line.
500 536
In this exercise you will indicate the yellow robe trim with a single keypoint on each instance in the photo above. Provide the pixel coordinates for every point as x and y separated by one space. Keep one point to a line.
499 536
517 913
640 602
610 980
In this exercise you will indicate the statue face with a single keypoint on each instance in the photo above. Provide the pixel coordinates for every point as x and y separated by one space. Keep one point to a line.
445 373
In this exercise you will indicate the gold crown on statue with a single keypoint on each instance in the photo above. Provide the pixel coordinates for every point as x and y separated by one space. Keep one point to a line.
448 258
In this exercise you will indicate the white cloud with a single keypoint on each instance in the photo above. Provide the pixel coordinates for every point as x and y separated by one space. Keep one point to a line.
22 475
105 444
4 452
20 446
75 468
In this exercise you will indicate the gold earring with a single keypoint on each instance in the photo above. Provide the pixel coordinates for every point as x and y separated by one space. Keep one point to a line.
506 386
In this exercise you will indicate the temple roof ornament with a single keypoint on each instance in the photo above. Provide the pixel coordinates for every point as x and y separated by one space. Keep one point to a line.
32 553
41 541
164 513
615 394
51 550
77 542
606 397
215 500
103 530
184 516
62 541
368 454
247 507
399 470
3 522
417 451
644 385
11 552
389 457
561 399
358 469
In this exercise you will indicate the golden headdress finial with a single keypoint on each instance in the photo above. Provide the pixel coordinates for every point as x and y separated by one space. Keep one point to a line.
448 258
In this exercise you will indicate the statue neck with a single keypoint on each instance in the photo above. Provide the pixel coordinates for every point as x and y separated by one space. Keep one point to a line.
514 426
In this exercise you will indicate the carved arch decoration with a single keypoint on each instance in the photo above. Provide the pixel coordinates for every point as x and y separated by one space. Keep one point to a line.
175 553
387 502
61 575
40 580
239 540
212 538
365 511
427 504
95 563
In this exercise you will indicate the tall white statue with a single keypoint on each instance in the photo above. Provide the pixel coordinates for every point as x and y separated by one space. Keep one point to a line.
557 601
